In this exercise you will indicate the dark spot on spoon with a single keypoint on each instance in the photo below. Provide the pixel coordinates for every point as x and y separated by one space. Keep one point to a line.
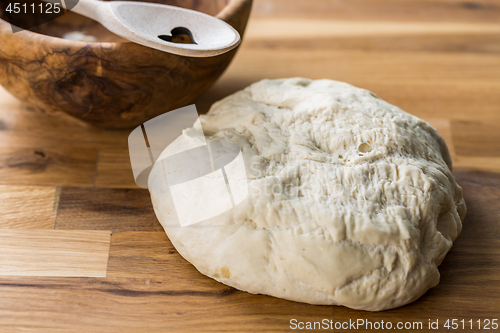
179 35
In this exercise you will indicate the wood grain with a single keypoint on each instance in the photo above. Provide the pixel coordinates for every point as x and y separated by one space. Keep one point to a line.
300 29
379 67
491 164
453 85
22 126
106 209
140 254
386 10
472 135
142 244
114 169
405 52
53 166
433 42
28 207
54 253
139 305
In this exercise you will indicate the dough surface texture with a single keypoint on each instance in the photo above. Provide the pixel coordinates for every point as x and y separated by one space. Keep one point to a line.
351 200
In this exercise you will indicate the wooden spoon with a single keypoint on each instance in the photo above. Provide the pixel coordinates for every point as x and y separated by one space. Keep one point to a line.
166 28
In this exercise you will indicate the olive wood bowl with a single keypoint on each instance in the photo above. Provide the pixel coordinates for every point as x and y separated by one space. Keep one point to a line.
111 83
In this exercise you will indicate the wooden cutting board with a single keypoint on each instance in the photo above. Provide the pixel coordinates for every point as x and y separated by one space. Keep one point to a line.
81 249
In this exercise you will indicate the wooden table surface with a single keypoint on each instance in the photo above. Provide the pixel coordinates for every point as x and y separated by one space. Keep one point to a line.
81 249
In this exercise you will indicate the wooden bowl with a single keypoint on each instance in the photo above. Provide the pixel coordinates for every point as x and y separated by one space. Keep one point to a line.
111 83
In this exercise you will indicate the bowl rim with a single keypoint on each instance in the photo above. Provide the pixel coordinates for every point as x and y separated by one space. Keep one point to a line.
232 7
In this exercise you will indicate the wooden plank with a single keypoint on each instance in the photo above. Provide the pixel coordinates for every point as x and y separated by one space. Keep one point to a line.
423 84
299 29
54 253
491 164
171 304
476 138
384 10
435 42
23 127
144 254
28 207
55 166
114 169
459 100
150 245
482 194
429 308
385 66
106 209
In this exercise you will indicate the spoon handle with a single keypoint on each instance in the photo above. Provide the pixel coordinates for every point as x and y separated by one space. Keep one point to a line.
88 8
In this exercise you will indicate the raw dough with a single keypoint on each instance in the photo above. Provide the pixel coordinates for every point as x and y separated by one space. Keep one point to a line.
352 200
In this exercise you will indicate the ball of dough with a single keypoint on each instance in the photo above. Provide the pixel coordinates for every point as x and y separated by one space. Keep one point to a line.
351 200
